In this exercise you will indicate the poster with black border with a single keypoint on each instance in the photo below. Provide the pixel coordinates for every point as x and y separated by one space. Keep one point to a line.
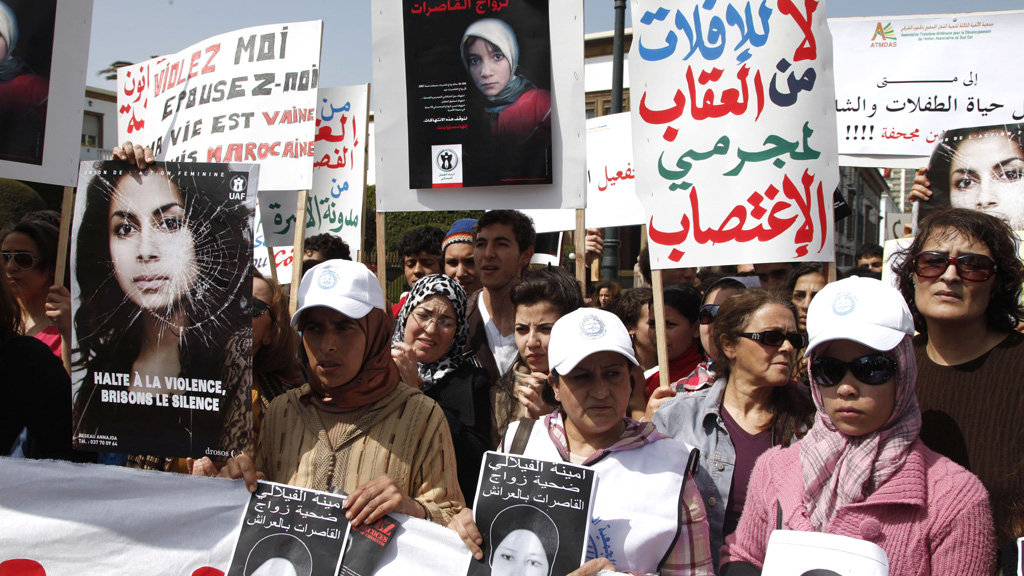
290 531
42 80
161 289
532 513
478 87
366 547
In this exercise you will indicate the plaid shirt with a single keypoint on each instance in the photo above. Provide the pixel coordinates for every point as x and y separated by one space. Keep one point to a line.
691 554
701 377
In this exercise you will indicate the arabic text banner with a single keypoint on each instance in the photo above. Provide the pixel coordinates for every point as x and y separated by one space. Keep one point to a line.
902 81
243 96
734 139
335 203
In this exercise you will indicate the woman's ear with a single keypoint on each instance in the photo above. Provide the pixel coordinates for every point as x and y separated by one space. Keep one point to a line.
728 347
553 381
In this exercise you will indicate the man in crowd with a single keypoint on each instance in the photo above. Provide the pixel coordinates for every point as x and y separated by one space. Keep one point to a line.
669 275
420 251
321 248
773 275
457 250
870 256
503 243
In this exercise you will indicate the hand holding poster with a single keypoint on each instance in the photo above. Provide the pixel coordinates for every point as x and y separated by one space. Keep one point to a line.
244 96
734 132
161 287
532 512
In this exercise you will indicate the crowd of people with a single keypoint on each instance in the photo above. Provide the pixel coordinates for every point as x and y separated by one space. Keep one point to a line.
849 407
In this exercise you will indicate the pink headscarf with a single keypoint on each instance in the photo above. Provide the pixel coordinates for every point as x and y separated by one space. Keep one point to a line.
840 469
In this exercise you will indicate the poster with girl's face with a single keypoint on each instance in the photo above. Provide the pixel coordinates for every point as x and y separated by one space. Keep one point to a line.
161 300
26 48
478 91
980 168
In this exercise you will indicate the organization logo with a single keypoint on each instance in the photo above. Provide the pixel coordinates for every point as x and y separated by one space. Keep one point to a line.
843 304
592 327
884 36
238 183
446 160
327 280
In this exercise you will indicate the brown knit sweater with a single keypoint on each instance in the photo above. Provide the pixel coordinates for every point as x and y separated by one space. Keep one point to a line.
974 414
404 435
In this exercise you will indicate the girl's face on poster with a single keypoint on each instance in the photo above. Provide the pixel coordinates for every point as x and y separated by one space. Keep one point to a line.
521 553
151 246
987 174
489 68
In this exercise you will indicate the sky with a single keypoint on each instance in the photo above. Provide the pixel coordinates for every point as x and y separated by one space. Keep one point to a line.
136 31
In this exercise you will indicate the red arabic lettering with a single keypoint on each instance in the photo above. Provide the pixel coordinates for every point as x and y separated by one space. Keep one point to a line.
808 49
733 101
664 116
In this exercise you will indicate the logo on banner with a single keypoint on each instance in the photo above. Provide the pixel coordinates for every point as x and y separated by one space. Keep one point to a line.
447 166
238 183
887 35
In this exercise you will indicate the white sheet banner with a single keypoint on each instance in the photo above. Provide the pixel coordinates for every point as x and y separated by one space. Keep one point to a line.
901 81
243 96
734 141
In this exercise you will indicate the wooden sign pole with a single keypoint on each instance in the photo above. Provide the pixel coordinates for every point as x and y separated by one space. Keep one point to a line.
382 267
580 242
659 328
300 239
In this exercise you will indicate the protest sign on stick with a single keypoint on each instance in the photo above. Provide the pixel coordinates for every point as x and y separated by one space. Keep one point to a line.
161 298
734 140
243 96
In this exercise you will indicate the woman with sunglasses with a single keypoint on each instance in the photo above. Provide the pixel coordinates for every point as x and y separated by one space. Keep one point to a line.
429 336
752 406
862 471
962 279
275 364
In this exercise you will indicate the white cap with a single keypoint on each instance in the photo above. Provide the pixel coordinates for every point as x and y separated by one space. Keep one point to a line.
342 285
583 332
864 310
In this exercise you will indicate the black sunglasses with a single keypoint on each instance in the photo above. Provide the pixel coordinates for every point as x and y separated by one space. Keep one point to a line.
873 369
707 313
259 308
970 267
777 337
23 260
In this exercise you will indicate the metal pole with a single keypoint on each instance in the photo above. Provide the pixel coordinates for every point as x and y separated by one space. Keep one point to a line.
610 261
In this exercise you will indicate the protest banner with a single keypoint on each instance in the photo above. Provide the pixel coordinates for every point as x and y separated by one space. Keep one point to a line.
263 254
532 509
288 530
400 183
243 96
335 204
181 524
43 81
161 297
902 81
734 141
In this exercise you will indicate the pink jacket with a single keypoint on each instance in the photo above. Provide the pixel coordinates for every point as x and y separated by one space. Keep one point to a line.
932 517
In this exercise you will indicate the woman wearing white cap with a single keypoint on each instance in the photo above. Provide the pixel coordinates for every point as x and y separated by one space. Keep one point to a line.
862 471
646 506
352 426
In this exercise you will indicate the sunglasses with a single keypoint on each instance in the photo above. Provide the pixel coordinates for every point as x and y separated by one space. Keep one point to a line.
873 369
775 338
706 314
259 308
23 260
970 267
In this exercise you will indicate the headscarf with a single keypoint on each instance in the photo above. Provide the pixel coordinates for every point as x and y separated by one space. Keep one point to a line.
378 375
9 66
500 34
424 288
838 469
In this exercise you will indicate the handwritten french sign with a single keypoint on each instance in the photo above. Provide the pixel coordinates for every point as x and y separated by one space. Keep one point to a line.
734 137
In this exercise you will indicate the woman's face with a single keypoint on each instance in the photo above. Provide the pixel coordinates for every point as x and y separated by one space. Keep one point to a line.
335 346
430 328
151 246
645 342
987 174
489 68
604 296
948 298
718 297
533 332
594 396
856 408
521 553
26 284
758 363
679 332
261 326
807 286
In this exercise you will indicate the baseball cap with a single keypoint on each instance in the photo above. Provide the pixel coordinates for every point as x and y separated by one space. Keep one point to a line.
342 285
864 310
583 332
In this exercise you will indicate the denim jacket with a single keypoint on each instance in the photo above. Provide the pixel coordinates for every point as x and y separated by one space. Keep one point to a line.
696 419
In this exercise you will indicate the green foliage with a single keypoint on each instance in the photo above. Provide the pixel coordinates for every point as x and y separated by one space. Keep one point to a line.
396 223
16 200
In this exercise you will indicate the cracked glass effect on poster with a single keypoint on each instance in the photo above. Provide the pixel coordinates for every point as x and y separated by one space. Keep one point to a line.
478 91
161 301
